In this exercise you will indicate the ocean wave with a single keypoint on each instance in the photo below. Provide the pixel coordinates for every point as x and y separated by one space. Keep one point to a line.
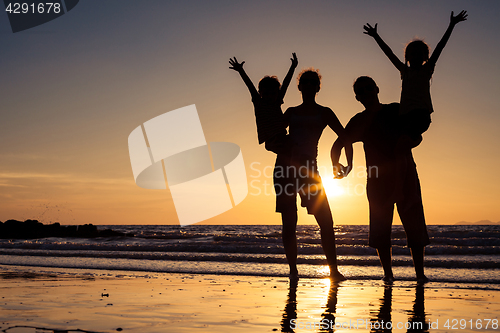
490 278
484 262
212 244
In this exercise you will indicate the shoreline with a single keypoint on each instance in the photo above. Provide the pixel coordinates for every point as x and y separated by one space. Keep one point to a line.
473 278
110 301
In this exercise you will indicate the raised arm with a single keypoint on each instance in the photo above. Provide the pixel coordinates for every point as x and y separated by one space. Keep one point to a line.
462 16
372 31
289 75
235 65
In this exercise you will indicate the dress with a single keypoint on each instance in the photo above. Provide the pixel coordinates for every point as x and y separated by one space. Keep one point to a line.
392 177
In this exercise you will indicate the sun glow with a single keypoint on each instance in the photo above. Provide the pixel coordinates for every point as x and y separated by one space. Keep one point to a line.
332 187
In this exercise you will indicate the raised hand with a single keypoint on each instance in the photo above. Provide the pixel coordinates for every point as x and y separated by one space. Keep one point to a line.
462 16
235 65
369 30
294 60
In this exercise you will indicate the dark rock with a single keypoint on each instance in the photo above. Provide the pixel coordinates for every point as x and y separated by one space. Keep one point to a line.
87 231
30 229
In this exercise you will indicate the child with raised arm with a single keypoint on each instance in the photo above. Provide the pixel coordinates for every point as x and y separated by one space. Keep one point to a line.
271 127
416 72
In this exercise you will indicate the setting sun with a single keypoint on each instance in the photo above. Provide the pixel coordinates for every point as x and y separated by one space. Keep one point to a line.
332 187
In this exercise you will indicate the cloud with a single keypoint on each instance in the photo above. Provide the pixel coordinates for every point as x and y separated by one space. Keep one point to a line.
18 179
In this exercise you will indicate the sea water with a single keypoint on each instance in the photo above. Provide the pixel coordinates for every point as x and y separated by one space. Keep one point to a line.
467 254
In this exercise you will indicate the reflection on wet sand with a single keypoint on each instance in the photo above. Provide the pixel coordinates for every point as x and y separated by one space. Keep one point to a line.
327 322
330 309
381 319
290 311
417 314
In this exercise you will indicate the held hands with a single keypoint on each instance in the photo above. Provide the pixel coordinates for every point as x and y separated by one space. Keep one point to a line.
462 16
235 65
369 30
294 60
340 171
347 170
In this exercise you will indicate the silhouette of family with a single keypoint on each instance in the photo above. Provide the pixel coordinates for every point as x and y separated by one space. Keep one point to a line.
389 132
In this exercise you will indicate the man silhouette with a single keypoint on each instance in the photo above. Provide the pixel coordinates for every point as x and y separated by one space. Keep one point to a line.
392 176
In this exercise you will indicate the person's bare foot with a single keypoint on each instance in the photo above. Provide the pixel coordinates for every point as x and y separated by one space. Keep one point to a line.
422 279
336 276
388 279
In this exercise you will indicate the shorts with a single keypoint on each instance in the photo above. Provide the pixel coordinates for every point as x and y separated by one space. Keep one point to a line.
298 177
402 189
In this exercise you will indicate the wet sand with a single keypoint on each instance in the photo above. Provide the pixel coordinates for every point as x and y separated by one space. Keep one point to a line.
61 300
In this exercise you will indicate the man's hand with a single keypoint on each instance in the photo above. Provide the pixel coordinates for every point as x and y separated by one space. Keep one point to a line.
369 30
235 65
462 16
340 171
346 170
337 171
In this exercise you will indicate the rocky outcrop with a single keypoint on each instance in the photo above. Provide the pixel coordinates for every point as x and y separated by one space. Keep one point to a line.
30 229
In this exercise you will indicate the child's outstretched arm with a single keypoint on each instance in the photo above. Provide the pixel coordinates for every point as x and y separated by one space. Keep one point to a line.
372 31
235 65
289 75
462 16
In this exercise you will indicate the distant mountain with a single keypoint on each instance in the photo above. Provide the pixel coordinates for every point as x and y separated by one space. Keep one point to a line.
482 222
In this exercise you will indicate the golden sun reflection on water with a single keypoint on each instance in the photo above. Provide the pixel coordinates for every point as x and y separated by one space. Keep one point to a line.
325 271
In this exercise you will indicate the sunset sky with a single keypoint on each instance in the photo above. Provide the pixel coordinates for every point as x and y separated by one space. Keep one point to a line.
74 88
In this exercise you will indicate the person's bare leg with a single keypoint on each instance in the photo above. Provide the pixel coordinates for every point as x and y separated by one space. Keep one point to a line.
289 220
385 255
325 222
417 253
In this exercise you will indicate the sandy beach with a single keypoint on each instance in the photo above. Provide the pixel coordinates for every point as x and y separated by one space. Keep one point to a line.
64 300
